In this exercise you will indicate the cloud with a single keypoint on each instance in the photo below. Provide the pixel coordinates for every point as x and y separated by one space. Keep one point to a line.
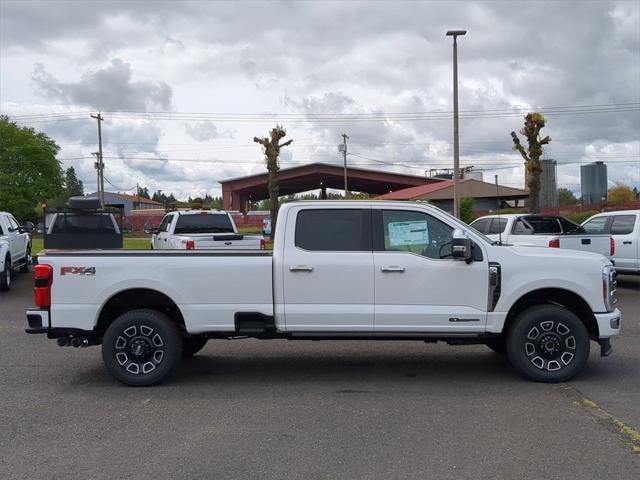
110 88
202 131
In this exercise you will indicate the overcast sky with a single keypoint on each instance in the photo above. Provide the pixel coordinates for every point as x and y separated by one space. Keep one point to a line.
226 72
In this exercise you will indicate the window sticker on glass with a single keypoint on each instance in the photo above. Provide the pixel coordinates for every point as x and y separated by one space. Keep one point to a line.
408 233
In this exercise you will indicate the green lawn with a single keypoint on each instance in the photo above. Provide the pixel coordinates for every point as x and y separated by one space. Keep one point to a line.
129 244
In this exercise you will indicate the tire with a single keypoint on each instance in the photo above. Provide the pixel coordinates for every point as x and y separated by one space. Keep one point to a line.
498 345
24 268
5 276
548 343
142 347
192 345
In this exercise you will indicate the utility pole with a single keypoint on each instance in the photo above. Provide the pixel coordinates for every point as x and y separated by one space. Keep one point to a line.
138 194
456 146
100 118
343 148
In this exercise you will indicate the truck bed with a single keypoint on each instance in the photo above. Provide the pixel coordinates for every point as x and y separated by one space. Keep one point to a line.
209 286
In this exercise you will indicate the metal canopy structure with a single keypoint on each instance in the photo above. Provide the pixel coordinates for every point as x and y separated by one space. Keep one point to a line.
237 192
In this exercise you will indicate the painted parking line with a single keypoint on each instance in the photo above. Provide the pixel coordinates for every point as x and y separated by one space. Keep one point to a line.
628 435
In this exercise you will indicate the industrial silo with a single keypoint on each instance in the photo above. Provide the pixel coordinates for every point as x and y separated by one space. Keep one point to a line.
593 182
548 184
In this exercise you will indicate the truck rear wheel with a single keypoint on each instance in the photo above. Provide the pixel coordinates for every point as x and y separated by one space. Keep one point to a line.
141 347
548 343
192 345
5 276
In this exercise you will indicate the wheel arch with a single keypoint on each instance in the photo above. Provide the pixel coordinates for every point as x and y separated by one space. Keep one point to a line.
554 296
136 298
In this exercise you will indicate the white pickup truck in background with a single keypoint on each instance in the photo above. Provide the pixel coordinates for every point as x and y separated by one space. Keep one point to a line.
15 248
202 230
543 231
624 228
357 270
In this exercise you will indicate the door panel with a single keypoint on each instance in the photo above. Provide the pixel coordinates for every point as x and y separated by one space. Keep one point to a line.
328 271
622 230
418 286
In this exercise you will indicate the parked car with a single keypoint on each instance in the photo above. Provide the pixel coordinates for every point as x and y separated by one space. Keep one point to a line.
543 231
624 228
15 248
202 230
358 270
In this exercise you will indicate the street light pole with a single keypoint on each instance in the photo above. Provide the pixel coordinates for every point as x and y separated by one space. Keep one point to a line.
456 145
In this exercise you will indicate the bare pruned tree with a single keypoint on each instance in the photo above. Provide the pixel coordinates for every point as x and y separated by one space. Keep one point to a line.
533 123
271 147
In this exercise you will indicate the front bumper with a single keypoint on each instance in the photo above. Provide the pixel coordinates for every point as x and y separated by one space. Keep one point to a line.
609 323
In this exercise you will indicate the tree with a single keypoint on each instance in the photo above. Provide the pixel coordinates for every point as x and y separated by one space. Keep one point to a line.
271 147
29 170
533 123
466 210
566 197
620 194
73 186
143 192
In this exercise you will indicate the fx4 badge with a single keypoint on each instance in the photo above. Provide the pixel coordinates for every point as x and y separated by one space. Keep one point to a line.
78 271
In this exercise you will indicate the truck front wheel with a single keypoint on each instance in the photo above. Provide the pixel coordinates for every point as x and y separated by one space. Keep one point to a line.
141 347
5 276
548 343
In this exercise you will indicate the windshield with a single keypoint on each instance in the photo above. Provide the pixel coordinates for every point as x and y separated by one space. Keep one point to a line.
204 223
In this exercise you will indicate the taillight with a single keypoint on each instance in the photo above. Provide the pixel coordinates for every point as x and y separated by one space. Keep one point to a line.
43 278
191 245
555 243
612 246
263 244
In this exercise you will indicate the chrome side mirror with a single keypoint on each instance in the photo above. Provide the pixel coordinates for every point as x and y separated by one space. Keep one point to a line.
461 246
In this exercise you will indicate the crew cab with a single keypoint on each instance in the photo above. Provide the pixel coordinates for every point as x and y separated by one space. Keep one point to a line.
202 230
356 270
624 228
15 248
543 231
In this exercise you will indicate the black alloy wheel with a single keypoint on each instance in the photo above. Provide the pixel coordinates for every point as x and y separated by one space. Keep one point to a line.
548 343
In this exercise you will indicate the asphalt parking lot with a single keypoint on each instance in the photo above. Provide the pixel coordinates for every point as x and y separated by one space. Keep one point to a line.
347 410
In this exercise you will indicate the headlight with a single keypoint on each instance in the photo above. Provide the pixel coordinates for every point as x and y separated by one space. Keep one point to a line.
609 287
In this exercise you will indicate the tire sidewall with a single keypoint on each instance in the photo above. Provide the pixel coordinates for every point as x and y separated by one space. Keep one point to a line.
5 277
161 324
530 318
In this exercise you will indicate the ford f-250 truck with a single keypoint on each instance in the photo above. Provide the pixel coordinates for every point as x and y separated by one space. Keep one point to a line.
368 270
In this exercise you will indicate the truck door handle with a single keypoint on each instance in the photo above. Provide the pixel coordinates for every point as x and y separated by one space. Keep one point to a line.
392 269
301 268
627 242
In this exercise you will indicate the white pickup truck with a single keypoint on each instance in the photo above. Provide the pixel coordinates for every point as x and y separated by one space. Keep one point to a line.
624 228
15 248
367 270
202 230
543 231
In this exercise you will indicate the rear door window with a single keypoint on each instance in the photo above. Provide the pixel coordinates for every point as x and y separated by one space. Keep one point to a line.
596 225
623 224
337 230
